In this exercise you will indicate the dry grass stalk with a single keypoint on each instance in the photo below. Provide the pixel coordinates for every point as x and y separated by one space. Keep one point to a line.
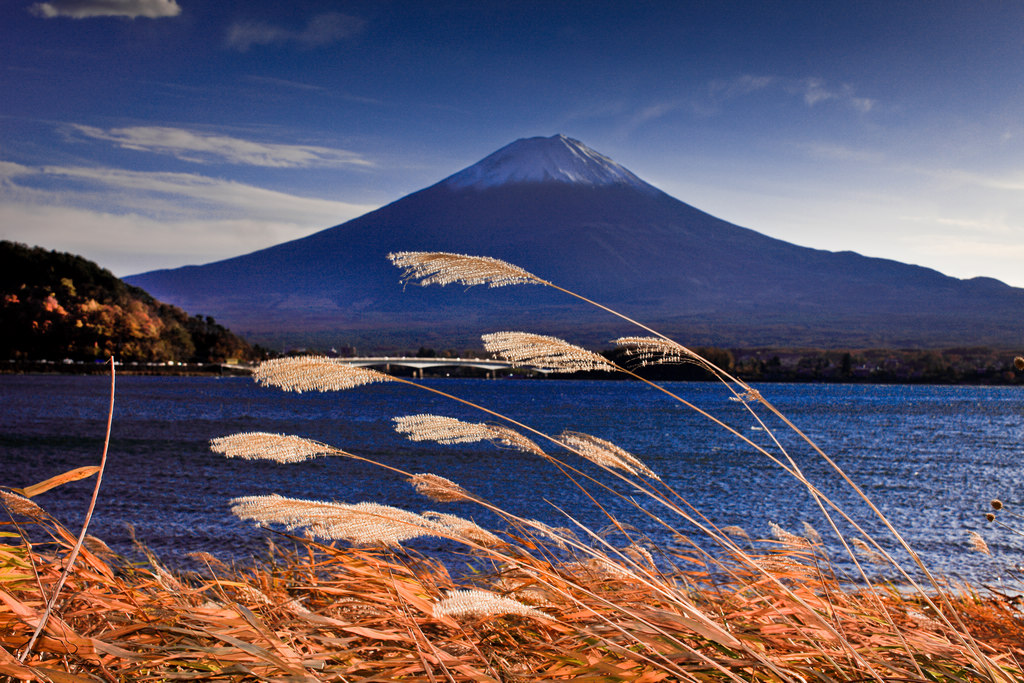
477 603
449 430
266 446
545 353
314 373
605 453
440 268
438 488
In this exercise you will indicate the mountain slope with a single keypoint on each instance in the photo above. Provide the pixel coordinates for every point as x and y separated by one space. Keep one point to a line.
577 218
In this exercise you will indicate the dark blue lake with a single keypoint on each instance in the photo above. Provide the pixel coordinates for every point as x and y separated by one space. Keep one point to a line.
931 457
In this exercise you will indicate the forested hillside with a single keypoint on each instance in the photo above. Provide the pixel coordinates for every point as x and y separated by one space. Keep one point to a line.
57 305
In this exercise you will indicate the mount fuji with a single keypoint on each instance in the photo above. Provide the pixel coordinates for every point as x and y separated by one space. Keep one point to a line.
576 218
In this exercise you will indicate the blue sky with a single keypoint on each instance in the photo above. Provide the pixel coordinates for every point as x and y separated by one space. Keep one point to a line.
157 133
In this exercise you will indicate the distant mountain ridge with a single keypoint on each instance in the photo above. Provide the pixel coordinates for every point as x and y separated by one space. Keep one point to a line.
575 217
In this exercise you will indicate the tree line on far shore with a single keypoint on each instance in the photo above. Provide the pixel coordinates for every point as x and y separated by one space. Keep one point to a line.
56 306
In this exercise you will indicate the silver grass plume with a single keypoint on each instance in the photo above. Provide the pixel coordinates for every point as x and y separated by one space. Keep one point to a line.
870 553
543 352
314 373
812 535
605 453
978 543
442 268
656 351
460 527
479 603
449 430
360 523
786 537
20 505
265 446
737 531
438 488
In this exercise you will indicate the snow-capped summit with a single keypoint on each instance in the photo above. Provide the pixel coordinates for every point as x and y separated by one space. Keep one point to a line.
541 160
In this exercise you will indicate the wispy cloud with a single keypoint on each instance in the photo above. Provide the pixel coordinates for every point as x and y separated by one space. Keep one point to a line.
816 90
87 9
320 30
132 221
737 87
198 147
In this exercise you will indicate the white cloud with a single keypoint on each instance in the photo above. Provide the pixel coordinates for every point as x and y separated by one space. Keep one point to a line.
86 9
322 29
207 148
815 90
132 221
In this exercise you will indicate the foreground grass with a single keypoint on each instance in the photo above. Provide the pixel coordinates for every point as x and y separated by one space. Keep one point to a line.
541 603
327 613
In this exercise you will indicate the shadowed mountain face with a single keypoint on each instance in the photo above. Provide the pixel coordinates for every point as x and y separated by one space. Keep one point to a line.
578 219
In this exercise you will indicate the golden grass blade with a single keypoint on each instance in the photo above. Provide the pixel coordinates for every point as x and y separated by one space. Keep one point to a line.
545 353
449 430
64 478
266 446
605 453
314 373
441 268
477 603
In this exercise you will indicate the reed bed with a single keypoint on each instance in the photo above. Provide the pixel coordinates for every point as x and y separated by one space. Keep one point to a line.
343 594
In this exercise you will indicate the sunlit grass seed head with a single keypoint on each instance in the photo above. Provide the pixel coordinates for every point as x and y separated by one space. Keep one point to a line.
463 528
545 353
787 537
605 453
477 603
314 373
449 430
978 543
872 555
363 523
997 505
655 350
737 531
438 488
20 505
442 268
1018 362
266 446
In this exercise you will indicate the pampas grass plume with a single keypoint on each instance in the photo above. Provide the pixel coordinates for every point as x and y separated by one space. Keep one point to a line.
314 373
477 603
543 352
266 446
441 268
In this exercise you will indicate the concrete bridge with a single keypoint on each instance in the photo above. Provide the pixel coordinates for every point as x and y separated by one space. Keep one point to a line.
418 364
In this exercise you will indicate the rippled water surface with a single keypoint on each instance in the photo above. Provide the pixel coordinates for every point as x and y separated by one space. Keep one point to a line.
930 457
